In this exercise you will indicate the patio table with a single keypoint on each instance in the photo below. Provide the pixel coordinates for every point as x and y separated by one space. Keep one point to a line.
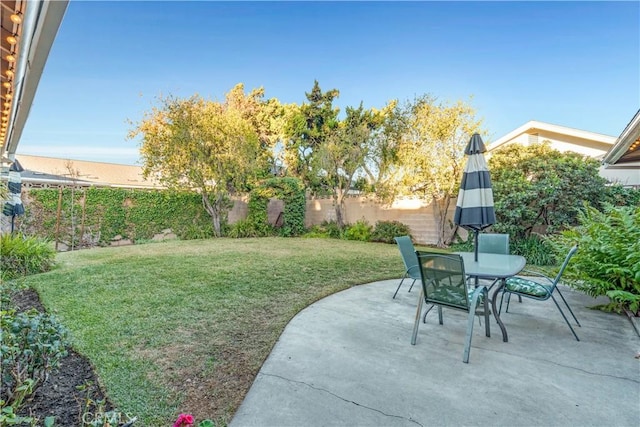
496 267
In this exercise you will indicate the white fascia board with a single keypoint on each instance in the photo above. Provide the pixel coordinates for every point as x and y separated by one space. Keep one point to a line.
626 138
44 18
534 125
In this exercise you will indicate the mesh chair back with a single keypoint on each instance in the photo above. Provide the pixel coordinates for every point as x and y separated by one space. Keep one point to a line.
443 279
493 243
409 258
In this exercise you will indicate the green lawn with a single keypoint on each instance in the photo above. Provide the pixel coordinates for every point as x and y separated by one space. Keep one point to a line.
184 326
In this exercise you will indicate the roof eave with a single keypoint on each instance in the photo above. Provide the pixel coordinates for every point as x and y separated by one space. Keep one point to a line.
624 141
48 18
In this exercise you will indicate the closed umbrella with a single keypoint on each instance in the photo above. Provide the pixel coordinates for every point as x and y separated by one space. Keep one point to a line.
474 208
13 206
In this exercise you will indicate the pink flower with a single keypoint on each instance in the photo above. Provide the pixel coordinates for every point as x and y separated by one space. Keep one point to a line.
184 420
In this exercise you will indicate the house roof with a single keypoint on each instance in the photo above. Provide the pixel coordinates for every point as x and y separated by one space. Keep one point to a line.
28 31
627 147
535 126
38 169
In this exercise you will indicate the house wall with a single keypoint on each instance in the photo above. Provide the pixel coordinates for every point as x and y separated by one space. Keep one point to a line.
626 174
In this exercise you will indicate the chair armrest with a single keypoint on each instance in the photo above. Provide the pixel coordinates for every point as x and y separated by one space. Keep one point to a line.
530 273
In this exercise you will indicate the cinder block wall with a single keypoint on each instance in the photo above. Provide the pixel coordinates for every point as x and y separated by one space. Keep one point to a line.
412 212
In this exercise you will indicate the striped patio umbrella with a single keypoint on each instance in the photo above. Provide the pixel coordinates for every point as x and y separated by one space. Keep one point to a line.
474 209
13 205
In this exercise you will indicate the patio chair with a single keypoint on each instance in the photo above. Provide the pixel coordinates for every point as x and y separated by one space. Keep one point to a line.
541 291
410 260
444 284
493 243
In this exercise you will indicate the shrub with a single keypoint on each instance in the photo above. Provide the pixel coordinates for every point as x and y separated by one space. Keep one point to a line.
327 229
608 259
536 249
21 256
538 189
385 231
361 230
248 228
32 345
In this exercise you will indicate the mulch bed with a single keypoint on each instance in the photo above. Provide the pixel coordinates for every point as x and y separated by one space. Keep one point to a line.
70 391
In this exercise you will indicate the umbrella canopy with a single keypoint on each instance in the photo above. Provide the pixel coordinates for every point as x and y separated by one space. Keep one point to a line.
474 208
14 206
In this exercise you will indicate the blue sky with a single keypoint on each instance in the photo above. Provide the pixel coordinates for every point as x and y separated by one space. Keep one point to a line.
574 64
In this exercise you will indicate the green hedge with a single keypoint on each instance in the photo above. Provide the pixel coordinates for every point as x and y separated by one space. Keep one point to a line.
109 212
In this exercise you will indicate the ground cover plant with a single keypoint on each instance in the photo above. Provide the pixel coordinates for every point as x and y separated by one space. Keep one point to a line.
184 326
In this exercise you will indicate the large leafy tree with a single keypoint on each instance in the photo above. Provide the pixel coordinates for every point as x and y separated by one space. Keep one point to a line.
308 127
430 156
380 166
342 155
199 145
537 188
267 117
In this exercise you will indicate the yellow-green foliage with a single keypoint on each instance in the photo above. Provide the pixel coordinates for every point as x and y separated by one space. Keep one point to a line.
21 256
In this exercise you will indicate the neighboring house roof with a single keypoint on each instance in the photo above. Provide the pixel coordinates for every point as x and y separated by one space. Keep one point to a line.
562 138
627 147
49 170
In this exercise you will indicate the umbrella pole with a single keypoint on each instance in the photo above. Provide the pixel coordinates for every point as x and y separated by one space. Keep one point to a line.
475 245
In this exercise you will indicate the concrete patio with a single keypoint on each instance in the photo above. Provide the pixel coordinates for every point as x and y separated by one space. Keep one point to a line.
347 361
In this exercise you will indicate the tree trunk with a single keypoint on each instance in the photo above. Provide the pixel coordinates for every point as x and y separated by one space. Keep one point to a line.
440 210
213 209
339 207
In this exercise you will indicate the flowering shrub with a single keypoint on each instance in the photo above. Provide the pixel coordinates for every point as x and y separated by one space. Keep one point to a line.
187 420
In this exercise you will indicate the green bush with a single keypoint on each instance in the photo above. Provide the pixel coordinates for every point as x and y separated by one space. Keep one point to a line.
385 231
32 345
538 189
361 231
327 229
536 249
618 195
248 228
608 259
21 256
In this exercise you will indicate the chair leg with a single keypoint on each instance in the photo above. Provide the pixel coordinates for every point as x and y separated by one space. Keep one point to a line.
470 322
440 314
417 322
567 304
487 315
412 283
424 317
398 288
467 340
501 298
565 317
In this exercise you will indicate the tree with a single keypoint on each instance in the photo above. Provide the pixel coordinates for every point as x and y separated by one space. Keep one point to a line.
199 145
380 165
342 155
267 118
430 156
538 188
307 129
